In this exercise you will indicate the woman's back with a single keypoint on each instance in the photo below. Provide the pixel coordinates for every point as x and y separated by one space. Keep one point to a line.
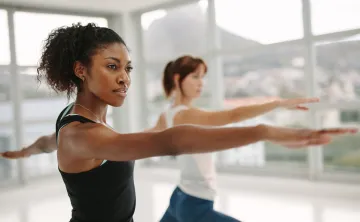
197 171
105 193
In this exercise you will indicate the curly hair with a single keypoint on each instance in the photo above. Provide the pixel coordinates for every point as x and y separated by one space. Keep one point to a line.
66 45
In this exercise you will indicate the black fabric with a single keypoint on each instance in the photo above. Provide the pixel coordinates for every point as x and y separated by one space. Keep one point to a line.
103 194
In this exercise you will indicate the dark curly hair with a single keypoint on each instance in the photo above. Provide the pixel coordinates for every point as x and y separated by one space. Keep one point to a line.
66 45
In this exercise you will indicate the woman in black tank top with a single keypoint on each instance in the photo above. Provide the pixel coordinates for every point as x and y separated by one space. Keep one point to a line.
96 162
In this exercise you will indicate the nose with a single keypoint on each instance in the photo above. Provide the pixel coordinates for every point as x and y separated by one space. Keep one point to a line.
201 83
124 80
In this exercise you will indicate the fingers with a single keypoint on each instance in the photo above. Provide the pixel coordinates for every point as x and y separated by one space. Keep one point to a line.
303 100
338 131
11 155
296 103
302 108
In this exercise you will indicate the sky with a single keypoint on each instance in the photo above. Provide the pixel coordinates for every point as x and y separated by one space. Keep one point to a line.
264 21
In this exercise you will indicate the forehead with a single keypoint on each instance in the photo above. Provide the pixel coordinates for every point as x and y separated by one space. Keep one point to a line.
200 69
115 50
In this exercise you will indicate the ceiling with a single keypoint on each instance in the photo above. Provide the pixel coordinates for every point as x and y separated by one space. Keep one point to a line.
99 6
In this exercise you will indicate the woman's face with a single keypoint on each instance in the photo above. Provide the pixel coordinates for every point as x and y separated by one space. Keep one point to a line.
192 85
109 75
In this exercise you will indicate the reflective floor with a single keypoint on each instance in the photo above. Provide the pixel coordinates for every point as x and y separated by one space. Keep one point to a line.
249 199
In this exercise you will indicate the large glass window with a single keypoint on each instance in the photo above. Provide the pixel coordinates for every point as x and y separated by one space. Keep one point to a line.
7 168
267 73
245 24
338 69
29 42
170 33
260 76
344 152
4 38
334 15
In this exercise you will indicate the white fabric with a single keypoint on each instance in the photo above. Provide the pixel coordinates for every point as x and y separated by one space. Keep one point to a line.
198 176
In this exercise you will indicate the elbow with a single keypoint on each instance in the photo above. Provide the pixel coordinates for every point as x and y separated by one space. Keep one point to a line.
171 141
168 142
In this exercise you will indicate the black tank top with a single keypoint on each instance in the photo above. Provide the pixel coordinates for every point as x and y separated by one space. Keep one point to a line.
103 194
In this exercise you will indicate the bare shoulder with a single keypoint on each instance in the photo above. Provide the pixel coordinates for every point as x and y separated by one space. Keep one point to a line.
76 136
188 116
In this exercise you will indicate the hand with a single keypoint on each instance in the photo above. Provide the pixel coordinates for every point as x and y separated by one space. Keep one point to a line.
15 154
296 103
297 138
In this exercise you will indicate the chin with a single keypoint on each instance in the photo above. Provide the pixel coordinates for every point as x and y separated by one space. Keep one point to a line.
197 96
116 103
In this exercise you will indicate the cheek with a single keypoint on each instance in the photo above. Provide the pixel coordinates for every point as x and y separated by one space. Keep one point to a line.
189 86
100 81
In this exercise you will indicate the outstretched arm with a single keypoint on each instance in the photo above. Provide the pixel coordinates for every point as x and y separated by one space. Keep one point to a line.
89 141
44 144
219 118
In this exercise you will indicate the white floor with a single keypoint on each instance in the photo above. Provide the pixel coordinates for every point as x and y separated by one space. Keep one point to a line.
250 199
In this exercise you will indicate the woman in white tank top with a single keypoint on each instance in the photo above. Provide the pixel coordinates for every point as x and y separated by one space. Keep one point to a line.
193 198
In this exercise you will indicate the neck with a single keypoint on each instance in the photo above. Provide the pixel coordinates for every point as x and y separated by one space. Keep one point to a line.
181 100
94 105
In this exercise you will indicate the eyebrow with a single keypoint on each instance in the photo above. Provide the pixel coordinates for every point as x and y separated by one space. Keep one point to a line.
113 58
117 60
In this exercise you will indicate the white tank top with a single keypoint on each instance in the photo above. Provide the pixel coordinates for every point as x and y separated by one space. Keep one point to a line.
197 171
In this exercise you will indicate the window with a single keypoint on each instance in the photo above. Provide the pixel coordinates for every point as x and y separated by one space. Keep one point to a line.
29 42
262 154
7 167
171 33
4 38
350 116
265 73
334 15
31 88
245 24
5 83
39 164
338 70
259 76
344 152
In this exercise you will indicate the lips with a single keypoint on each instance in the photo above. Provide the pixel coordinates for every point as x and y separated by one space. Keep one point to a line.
121 92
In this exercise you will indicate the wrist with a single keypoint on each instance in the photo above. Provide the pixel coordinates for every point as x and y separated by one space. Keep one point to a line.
26 152
276 103
263 131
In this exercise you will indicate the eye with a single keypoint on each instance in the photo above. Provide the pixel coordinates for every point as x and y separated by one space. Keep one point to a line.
112 66
129 69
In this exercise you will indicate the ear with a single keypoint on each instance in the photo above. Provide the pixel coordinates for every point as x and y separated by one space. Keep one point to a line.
79 70
176 80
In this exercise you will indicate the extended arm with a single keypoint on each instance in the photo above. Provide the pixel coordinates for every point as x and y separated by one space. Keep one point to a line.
241 113
96 141
44 144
